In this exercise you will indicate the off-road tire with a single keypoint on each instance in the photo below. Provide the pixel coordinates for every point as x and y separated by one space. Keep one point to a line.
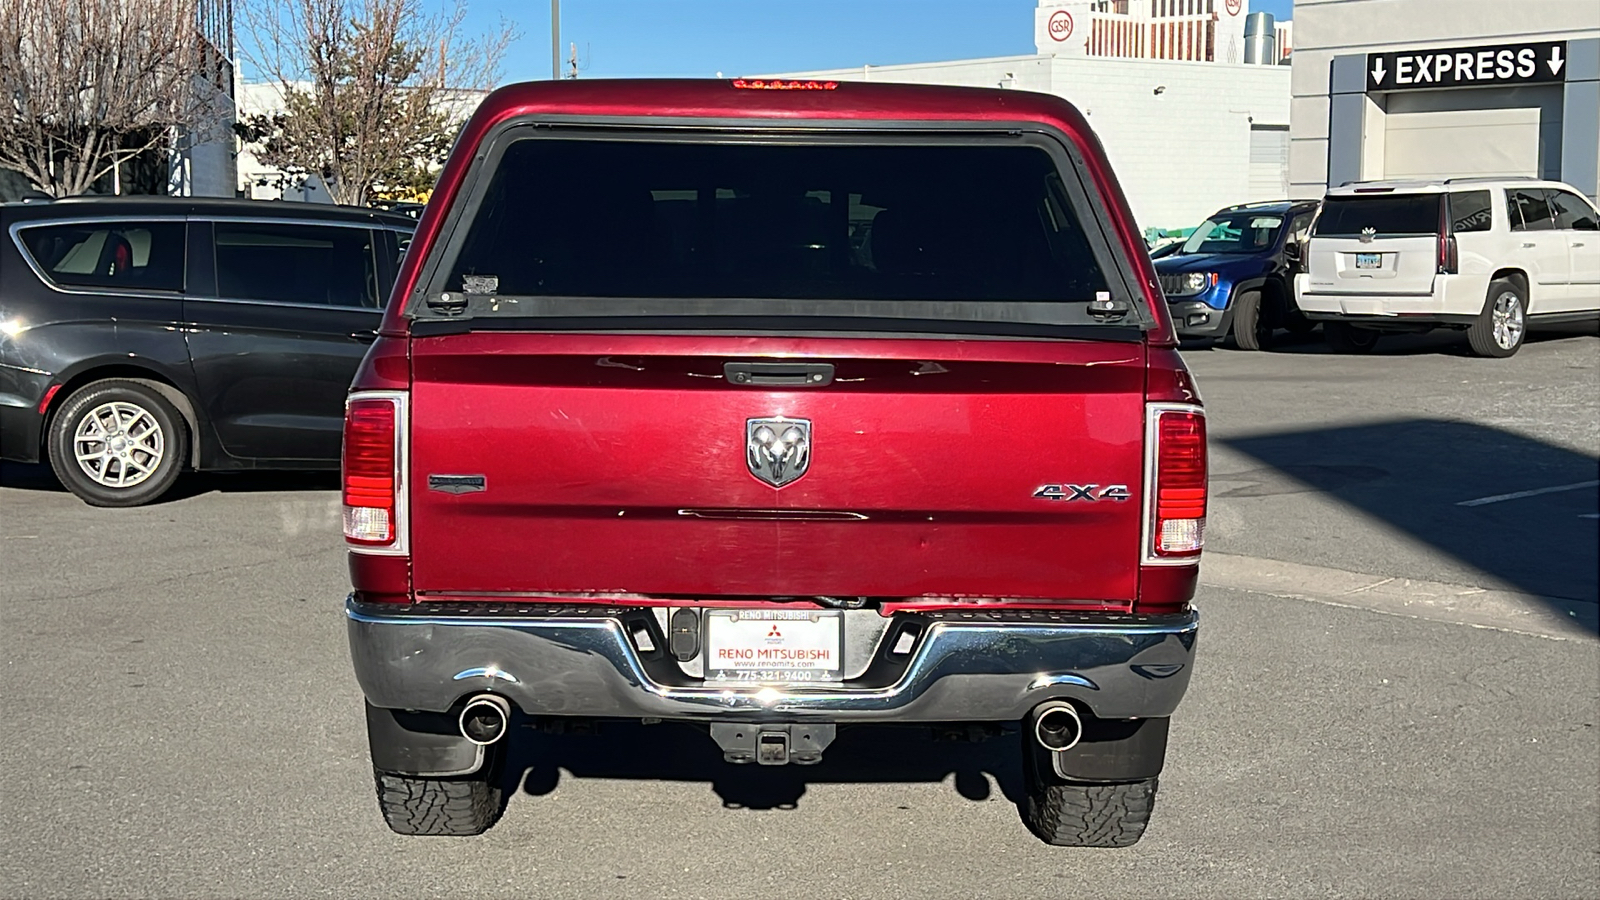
126 395
1252 321
1481 333
1072 814
446 807
1343 337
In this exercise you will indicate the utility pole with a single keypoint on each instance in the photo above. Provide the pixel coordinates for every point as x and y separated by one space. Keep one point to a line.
555 40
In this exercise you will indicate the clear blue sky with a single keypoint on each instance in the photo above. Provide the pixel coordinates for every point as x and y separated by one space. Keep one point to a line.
698 38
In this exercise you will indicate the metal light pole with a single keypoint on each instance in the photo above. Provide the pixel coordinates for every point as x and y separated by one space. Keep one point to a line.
555 40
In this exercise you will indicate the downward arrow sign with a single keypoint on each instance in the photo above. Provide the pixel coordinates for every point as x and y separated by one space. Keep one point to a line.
1555 62
1377 71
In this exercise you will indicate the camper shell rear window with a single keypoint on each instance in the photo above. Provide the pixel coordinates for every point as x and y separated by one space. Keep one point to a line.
596 226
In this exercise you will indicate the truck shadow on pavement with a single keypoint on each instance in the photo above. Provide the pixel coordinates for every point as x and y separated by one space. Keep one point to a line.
1445 484
670 751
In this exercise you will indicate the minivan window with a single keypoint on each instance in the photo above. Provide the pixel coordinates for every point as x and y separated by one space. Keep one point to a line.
1469 211
125 255
1243 232
1384 214
1529 210
704 221
321 265
1573 212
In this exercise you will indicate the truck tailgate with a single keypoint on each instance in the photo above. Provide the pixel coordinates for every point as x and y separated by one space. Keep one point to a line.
618 463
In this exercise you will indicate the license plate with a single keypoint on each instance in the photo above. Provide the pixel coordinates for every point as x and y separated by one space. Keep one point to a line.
1369 260
774 645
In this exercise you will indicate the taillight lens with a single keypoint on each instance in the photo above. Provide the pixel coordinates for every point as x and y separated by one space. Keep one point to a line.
1447 254
1178 519
372 471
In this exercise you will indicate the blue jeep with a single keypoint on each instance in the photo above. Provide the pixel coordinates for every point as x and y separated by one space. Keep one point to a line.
1235 273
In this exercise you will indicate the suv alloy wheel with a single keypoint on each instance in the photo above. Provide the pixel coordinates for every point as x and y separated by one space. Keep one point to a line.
1501 326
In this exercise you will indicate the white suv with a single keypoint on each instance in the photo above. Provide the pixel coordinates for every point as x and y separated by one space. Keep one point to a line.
1491 256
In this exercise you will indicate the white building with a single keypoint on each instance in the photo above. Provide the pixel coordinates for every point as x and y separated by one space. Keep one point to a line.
200 161
1186 137
1193 30
1424 89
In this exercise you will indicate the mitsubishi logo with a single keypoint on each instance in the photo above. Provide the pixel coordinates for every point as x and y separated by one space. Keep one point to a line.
778 450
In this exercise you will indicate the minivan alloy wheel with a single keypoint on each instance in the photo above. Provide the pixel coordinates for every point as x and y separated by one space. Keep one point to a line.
118 444
1508 322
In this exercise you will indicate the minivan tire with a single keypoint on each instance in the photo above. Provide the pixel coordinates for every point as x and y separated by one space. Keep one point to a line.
1503 323
132 467
1343 337
1252 322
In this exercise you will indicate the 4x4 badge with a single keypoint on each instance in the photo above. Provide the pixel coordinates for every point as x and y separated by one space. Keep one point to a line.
778 450
1091 492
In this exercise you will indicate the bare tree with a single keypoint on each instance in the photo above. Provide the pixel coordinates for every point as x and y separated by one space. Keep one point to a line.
372 90
86 85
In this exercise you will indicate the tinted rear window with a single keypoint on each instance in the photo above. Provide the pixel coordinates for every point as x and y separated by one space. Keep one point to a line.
146 256
307 264
635 219
1385 214
1469 211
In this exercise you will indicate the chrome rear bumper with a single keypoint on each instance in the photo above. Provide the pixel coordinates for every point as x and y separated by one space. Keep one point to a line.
962 669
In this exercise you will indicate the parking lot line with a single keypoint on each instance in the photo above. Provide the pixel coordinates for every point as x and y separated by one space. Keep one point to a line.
1481 501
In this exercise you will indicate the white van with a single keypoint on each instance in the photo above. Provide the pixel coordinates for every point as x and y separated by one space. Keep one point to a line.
1490 256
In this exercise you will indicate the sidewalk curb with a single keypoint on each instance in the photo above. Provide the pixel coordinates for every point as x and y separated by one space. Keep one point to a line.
1549 617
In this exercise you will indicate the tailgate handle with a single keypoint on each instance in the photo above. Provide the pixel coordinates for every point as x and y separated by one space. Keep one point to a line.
778 374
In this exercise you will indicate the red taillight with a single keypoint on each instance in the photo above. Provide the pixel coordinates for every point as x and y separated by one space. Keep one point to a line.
372 470
1178 504
1447 254
778 84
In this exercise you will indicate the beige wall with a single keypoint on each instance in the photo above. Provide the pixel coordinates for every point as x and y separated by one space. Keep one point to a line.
1327 28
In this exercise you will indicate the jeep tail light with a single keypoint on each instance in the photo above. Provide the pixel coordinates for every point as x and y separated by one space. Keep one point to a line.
373 467
1176 483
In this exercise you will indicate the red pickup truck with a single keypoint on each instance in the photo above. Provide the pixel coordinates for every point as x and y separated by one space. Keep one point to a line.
775 407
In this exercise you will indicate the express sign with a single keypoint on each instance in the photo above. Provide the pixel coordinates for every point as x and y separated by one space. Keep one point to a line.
1467 66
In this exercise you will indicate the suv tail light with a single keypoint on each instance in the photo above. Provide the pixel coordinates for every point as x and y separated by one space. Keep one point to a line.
1447 239
1175 482
1447 254
374 465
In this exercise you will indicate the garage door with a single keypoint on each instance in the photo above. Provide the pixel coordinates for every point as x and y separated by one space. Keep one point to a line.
1269 163
1454 134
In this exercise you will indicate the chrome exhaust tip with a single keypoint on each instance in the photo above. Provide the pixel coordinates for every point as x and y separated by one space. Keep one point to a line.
1056 725
485 719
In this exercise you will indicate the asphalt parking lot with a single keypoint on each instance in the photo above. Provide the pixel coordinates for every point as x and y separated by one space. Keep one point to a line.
1398 693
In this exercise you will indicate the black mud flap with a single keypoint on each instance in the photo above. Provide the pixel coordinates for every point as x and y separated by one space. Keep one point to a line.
419 743
1126 750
